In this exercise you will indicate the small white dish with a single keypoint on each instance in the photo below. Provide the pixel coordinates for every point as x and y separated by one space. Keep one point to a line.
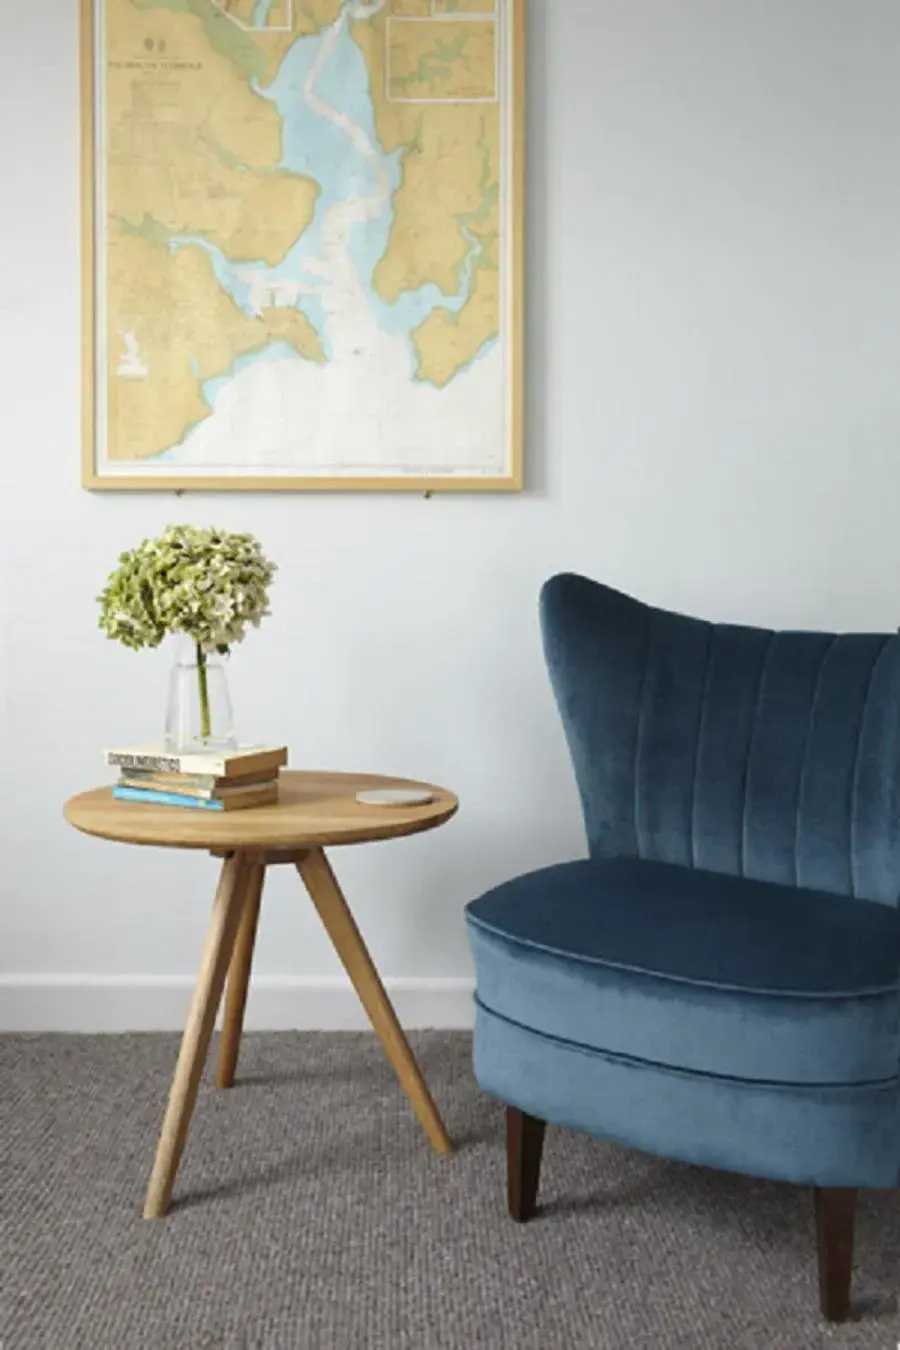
395 797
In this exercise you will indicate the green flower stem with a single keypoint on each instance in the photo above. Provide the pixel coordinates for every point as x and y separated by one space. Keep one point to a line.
203 681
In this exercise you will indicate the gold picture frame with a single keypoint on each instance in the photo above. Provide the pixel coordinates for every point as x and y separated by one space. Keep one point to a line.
95 364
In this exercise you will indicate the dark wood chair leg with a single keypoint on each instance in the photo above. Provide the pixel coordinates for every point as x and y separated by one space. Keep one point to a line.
835 1213
524 1145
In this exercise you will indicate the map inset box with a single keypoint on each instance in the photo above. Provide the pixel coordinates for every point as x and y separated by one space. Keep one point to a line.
435 61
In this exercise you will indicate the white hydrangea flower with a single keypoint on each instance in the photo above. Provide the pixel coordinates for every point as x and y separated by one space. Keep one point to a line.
207 583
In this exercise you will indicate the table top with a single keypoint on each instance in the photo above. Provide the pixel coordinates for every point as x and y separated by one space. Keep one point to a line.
313 809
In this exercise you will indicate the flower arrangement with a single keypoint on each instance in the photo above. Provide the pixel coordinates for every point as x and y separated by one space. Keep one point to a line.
206 583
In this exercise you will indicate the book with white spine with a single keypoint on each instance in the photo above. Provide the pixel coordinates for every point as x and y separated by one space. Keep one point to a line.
243 762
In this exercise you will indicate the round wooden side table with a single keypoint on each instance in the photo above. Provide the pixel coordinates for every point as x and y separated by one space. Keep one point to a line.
314 810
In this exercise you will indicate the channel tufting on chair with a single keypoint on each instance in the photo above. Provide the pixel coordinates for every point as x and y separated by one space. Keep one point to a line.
718 981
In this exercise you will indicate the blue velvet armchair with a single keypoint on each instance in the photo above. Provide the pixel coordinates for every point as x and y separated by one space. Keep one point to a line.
718 981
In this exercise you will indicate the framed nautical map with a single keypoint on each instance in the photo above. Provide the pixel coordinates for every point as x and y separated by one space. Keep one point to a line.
303 252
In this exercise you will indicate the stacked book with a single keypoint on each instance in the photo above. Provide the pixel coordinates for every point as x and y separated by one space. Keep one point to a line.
214 781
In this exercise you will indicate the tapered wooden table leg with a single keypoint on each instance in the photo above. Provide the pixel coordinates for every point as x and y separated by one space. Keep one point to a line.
195 1042
340 925
239 978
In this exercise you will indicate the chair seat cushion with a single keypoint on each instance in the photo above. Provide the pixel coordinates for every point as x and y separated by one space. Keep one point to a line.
695 970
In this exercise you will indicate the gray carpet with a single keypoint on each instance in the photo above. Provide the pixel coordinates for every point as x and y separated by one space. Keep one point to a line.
311 1214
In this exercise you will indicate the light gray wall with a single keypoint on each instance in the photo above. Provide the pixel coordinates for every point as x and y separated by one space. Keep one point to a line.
714 407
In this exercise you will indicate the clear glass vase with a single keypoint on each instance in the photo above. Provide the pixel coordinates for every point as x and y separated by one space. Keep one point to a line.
198 714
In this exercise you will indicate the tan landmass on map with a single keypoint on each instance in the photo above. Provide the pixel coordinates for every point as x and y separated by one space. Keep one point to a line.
311 16
417 8
465 6
279 14
447 342
284 324
447 202
241 9
192 147
174 327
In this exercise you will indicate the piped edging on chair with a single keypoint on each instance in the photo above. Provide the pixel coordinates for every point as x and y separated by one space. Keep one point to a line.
615 1057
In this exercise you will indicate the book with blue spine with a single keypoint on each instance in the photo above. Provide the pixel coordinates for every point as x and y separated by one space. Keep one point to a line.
260 795
154 798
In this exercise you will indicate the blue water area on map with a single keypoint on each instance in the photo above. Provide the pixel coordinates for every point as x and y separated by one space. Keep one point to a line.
314 146
261 13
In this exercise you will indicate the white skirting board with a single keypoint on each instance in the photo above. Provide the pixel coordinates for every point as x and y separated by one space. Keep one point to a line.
116 1003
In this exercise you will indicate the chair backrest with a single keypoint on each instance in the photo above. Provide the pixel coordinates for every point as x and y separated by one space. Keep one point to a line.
773 755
